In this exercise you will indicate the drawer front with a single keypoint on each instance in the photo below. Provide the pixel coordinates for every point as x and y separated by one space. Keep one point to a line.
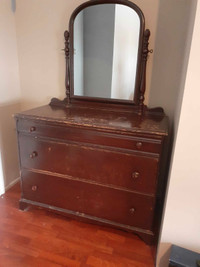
109 167
89 136
98 201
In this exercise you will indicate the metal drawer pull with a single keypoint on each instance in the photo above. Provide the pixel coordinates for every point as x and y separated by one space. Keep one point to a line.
132 210
135 175
34 188
33 155
138 145
32 129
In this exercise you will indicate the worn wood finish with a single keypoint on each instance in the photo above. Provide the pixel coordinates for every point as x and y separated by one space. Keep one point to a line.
101 117
73 134
42 238
84 199
94 164
114 167
96 160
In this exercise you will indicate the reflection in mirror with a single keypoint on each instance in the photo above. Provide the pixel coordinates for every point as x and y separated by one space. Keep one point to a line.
106 41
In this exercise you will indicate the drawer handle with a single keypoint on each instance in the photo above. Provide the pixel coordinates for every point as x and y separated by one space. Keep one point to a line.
33 155
135 175
139 145
32 129
34 188
132 210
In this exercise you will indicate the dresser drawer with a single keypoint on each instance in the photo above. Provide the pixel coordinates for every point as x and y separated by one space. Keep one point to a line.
89 136
110 204
96 164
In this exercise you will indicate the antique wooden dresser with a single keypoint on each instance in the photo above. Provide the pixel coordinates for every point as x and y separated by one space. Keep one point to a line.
92 163
97 159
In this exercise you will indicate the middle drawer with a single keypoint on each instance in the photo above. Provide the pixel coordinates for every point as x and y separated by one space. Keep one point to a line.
104 166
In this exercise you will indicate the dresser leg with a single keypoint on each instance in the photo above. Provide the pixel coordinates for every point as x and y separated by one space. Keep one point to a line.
148 239
23 206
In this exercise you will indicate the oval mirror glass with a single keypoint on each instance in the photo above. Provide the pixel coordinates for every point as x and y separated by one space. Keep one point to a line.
106 42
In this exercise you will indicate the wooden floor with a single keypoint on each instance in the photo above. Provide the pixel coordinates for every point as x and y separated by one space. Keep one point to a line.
41 238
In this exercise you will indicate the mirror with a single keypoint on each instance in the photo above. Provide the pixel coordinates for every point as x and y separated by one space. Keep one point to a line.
106 51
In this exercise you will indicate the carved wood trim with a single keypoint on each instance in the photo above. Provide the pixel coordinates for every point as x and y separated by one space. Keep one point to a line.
145 52
67 77
66 101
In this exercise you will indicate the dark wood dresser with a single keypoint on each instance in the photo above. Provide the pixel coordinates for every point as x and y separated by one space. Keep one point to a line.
97 164
99 154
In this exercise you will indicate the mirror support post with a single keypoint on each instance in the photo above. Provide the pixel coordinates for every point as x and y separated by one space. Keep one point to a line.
67 77
145 52
66 101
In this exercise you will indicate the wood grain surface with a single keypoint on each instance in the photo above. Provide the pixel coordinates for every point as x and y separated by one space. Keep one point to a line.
42 238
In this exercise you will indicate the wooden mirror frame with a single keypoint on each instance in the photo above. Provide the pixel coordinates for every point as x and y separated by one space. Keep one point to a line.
140 85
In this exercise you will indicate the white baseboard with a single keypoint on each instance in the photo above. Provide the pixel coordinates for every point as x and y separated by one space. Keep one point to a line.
12 183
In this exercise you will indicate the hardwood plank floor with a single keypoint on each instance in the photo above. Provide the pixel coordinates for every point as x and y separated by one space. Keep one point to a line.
41 238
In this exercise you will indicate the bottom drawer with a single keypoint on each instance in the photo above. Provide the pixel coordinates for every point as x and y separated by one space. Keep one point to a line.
99 201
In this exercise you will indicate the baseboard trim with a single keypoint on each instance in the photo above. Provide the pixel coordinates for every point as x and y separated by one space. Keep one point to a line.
12 183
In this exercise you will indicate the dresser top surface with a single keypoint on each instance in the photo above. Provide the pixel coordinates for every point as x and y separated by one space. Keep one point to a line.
99 118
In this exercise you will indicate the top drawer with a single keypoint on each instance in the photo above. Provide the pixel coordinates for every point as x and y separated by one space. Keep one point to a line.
89 136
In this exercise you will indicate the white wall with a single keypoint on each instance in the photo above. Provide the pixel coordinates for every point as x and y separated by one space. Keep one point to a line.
40 27
174 29
182 217
9 96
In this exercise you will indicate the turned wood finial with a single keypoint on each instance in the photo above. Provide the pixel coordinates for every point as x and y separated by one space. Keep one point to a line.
67 77
66 101
145 52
